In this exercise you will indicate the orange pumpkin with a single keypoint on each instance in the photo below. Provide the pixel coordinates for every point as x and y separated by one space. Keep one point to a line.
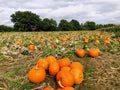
64 79
80 52
78 75
106 41
97 42
50 59
59 89
18 43
37 75
93 53
64 39
42 63
77 65
48 88
86 41
31 47
69 88
54 68
64 62
65 68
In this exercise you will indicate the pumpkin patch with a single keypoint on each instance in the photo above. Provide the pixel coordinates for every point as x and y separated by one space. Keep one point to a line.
35 60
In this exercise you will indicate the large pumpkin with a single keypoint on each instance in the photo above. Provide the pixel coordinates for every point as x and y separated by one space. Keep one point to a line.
80 52
93 53
65 79
36 75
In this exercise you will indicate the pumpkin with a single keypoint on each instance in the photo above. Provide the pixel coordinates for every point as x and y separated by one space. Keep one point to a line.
80 52
68 88
54 68
19 43
86 41
78 75
50 59
64 79
42 63
31 47
97 42
64 62
64 39
48 88
77 65
36 75
106 41
93 53
59 89
65 68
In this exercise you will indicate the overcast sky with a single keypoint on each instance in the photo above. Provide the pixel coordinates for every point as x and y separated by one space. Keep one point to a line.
99 11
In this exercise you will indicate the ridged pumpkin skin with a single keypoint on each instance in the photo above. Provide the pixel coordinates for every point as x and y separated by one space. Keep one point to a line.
93 53
59 89
68 88
54 68
64 62
48 88
80 52
36 75
77 65
78 75
50 59
42 63
64 79
65 68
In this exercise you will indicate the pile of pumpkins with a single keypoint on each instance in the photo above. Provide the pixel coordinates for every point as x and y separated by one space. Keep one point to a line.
94 52
67 73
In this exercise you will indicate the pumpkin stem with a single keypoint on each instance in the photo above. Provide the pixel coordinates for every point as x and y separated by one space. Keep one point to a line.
59 83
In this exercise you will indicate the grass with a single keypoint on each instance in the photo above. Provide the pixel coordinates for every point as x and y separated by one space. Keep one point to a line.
15 68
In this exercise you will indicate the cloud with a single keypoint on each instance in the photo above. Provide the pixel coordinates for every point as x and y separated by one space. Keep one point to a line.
99 11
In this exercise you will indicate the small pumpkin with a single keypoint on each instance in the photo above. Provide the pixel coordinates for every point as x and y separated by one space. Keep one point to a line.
31 47
50 59
42 63
64 62
78 75
97 42
68 88
36 75
59 89
80 52
66 68
48 88
106 41
93 53
64 79
54 68
86 41
77 65
19 43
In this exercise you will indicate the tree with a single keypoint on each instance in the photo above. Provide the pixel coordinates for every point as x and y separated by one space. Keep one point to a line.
25 21
75 24
65 25
90 25
48 25
4 28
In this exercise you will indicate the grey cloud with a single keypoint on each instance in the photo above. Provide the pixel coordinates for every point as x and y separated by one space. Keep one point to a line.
100 11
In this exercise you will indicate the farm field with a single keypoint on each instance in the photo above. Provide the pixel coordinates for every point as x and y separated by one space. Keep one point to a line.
16 59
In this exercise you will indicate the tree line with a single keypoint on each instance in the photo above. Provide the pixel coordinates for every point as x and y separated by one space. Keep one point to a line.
28 21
